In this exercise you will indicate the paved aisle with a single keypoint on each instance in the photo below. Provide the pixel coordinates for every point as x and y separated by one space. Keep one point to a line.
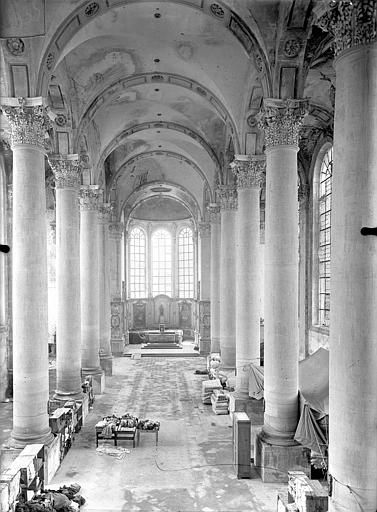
191 468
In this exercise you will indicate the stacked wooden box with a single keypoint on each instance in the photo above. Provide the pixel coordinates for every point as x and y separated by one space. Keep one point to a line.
304 495
207 389
30 464
220 401
24 477
9 489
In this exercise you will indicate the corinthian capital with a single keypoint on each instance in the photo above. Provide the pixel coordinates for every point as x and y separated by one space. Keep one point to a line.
204 229
28 119
250 171
66 170
104 212
116 230
351 23
281 121
213 210
228 197
89 197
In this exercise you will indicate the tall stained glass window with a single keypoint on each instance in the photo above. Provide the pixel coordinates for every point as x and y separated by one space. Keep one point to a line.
161 262
324 253
137 267
185 263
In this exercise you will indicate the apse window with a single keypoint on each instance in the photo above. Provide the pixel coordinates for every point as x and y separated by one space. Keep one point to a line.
137 268
324 252
185 263
161 263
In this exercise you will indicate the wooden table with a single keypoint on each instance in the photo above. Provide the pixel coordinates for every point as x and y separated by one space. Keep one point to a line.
155 431
126 433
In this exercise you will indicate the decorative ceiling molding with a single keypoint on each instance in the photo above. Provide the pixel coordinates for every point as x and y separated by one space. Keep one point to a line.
119 139
79 18
148 154
102 99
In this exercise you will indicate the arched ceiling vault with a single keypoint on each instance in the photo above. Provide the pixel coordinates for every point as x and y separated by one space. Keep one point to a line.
156 127
150 190
129 163
155 90
125 90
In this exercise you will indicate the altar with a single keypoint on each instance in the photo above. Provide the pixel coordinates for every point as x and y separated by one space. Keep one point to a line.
170 338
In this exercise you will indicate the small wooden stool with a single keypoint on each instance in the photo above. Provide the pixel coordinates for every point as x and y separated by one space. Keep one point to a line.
155 431
126 433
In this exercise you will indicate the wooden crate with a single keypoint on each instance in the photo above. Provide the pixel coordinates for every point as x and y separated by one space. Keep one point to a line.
57 420
284 506
11 479
312 498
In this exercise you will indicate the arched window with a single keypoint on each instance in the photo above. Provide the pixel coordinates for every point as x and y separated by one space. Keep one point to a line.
185 263
161 263
137 267
322 241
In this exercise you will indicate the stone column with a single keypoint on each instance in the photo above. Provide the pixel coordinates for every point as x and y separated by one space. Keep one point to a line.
228 204
353 328
3 282
9 285
117 307
214 215
27 118
68 336
51 274
250 173
90 361
106 359
281 121
303 285
205 287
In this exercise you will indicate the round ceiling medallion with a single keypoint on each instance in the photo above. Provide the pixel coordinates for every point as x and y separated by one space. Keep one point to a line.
15 46
91 9
292 47
217 10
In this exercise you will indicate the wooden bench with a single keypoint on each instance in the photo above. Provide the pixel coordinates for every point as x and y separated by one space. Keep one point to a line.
155 431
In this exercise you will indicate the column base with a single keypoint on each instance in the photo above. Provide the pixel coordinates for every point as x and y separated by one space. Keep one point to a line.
17 443
98 379
204 347
215 345
106 362
273 462
241 402
117 346
64 396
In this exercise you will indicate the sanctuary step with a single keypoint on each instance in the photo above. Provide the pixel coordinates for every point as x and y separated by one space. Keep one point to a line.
155 345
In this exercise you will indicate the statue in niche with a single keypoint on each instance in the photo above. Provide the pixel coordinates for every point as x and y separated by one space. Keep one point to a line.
161 317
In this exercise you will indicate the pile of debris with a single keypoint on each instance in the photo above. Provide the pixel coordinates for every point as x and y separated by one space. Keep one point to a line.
64 499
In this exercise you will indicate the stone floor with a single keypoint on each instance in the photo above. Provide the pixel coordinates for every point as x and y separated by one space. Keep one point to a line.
190 469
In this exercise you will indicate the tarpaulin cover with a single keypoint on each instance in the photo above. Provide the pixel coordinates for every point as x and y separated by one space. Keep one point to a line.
313 374
314 397
256 381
